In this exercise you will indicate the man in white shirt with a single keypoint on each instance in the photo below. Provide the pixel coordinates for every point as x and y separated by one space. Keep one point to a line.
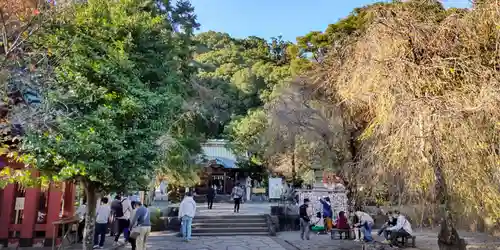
81 212
401 229
122 212
187 210
101 223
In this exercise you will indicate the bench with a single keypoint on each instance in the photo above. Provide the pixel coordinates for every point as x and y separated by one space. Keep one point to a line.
348 233
404 241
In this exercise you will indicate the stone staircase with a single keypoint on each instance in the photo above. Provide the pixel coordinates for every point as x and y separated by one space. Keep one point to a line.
229 225
220 198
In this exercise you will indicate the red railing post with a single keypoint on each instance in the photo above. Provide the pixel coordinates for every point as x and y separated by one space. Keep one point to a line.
53 211
31 201
69 199
7 209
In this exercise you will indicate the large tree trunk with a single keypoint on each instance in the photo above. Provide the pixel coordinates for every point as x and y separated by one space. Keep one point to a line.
352 184
448 238
294 170
88 236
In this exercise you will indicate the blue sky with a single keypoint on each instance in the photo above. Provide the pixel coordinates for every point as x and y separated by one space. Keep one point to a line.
268 18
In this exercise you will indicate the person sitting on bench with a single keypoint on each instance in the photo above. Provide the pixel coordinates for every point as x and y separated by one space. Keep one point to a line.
319 224
391 221
342 223
365 225
402 229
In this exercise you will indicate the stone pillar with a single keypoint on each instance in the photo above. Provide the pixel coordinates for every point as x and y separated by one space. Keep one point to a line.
248 187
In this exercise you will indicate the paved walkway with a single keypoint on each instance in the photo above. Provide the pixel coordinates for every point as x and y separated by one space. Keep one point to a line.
161 242
426 240
167 241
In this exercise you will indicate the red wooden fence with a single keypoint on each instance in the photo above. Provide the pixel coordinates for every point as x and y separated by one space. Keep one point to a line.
27 214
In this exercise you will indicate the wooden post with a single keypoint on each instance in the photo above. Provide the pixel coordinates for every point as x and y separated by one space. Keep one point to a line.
53 210
225 184
69 199
32 198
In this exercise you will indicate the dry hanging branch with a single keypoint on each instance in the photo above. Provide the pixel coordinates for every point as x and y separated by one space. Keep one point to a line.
426 82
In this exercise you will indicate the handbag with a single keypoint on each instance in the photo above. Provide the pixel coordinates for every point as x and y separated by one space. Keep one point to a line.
135 233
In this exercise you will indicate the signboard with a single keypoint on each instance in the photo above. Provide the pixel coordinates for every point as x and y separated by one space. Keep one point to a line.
275 188
259 190
19 203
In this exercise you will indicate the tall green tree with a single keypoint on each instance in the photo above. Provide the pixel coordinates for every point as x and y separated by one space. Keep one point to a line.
122 71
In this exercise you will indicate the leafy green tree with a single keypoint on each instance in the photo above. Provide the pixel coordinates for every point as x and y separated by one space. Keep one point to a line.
122 71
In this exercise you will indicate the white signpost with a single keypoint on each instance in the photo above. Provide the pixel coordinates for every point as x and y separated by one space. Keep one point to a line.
275 188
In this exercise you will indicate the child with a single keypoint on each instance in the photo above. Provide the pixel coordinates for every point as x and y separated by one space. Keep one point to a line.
319 224
101 223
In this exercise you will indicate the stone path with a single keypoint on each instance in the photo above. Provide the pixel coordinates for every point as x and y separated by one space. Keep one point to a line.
163 241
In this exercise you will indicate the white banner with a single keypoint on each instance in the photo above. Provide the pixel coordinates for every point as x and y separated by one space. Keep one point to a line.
275 188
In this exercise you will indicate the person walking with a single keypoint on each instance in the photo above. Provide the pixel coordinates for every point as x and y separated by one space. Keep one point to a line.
101 223
140 226
187 210
81 212
122 212
132 215
237 194
211 196
305 218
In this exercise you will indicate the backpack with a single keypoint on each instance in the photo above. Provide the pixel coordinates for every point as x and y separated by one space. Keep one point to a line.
118 208
303 212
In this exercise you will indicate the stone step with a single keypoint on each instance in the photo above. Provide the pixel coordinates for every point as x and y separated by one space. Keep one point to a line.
232 234
230 225
230 221
215 230
234 217
234 224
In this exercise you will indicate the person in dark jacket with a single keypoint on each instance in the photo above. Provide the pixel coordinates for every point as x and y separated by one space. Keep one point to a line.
305 218
391 221
211 196
327 213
